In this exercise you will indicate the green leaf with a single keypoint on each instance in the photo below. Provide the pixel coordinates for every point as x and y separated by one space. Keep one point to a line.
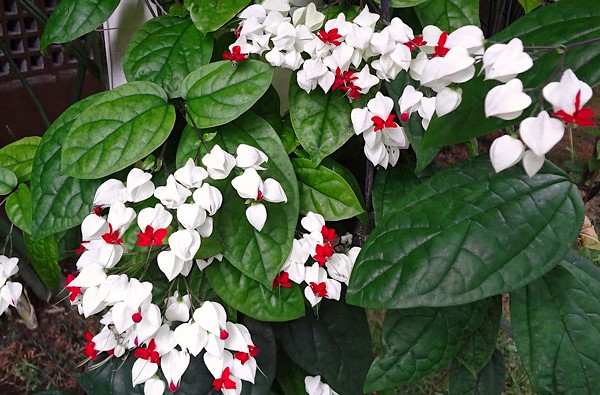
417 342
489 381
18 156
560 23
165 50
465 234
321 121
290 376
210 247
50 189
220 92
74 18
251 297
8 181
530 5
478 347
43 254
123 126
335 345
268 108
390 186
325 192
209 15
403 3
18 208
259 255
556 322
287 135
448 15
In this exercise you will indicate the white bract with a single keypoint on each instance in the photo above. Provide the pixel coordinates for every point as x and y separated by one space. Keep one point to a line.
506 101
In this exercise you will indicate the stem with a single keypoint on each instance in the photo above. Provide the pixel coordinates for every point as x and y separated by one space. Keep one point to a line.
25 83
571 146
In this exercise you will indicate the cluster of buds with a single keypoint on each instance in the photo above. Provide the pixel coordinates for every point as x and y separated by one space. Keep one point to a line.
330 264
165 333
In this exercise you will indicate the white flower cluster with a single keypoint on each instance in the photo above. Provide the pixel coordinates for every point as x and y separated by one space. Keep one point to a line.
330 269
10 291
165 336
315 386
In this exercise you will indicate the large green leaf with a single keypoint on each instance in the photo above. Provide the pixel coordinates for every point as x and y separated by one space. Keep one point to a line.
8 181
74 18
165 50
325 192
18 156
465 234
478 347
390 186
50 189
448 15
417 342
335 345
209 15
219 92
289 375
18 208
123 126
253 298
43 254
556 323
259 255
321 120
560 23
489 381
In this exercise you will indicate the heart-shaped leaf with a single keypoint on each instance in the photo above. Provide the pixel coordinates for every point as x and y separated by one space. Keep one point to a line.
465 234
74 18
8 181
18 156
50 189
123 126
220 92
325 192
448 15
18 208
43 255
209 15
251 297
489 381
556 321
165 50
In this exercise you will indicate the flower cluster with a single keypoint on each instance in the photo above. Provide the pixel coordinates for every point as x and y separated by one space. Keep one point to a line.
314 386
163 333
332 261
10 291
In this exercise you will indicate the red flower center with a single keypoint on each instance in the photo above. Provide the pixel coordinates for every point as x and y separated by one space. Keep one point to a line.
235 55
380 123
224 334
282 280
137 317
319 289
224 382
151 237
330 37
415 43
112 237
581 116
440 49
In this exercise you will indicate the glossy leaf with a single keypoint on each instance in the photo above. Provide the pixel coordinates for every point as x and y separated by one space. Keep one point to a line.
448 15
251 297
556 322
124 125
335 345
417 342
555 24
478 347
50 189
43 255
18 208
209 15
530 5
259 255
165 50
465 234
290 376
325 192
489 381
219 92
8 181
18 156
74 18
390 186
321 121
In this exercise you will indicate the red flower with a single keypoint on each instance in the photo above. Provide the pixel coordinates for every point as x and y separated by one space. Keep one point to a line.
89 348
73 291
149 353
328 234
112 237
344 81
380 123
440 49
319 289
151 237
415 43
330 37
580 117
235 55
323 252
282 280
243 357
224 382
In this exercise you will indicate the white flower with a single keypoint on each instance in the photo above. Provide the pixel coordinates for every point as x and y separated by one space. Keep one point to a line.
505 152
469 37
503 62
456 67
447 100
248 156
541 133
314 386
309 17
400 31
532 163
339 267
190 175
191 216
154 386
173 365
218 163
139 186
319 286
178 307
173 194
156 217
142 371
110 191
382 42
314 73
185 243
170 264
417 65
365 80
209 198
294 264
506 101
120 217
426 111
11 292
221 369
563 95
366 18
409 102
